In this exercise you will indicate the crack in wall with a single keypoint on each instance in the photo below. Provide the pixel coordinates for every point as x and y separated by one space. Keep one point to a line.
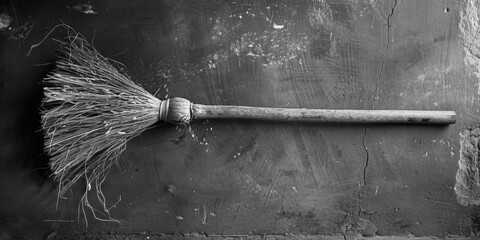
364 177
367 158
388 22
382 66
363 186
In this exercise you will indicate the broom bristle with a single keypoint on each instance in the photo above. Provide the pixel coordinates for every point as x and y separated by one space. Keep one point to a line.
90 110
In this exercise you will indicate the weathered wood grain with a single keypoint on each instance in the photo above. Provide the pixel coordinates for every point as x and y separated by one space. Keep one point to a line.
200 111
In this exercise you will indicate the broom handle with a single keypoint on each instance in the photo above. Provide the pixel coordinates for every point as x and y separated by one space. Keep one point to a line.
200 111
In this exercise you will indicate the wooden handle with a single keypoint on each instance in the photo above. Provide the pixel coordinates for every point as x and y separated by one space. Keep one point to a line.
182 111
200 111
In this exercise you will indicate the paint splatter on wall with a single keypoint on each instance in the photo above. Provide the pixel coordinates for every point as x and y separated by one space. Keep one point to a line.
280 34
16 31
4 21
85 8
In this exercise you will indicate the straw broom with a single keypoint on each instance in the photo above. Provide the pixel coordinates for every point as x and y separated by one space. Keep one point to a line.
91 109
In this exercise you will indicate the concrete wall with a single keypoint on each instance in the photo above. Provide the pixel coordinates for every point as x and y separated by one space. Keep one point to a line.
246 178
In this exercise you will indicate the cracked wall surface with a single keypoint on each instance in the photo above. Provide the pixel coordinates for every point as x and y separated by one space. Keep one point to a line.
467 186
469 28
467 178
249 178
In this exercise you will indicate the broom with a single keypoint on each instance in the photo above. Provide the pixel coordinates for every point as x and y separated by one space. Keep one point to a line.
91 109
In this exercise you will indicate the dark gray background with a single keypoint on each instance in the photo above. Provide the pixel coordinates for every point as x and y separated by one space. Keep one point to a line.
248 177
